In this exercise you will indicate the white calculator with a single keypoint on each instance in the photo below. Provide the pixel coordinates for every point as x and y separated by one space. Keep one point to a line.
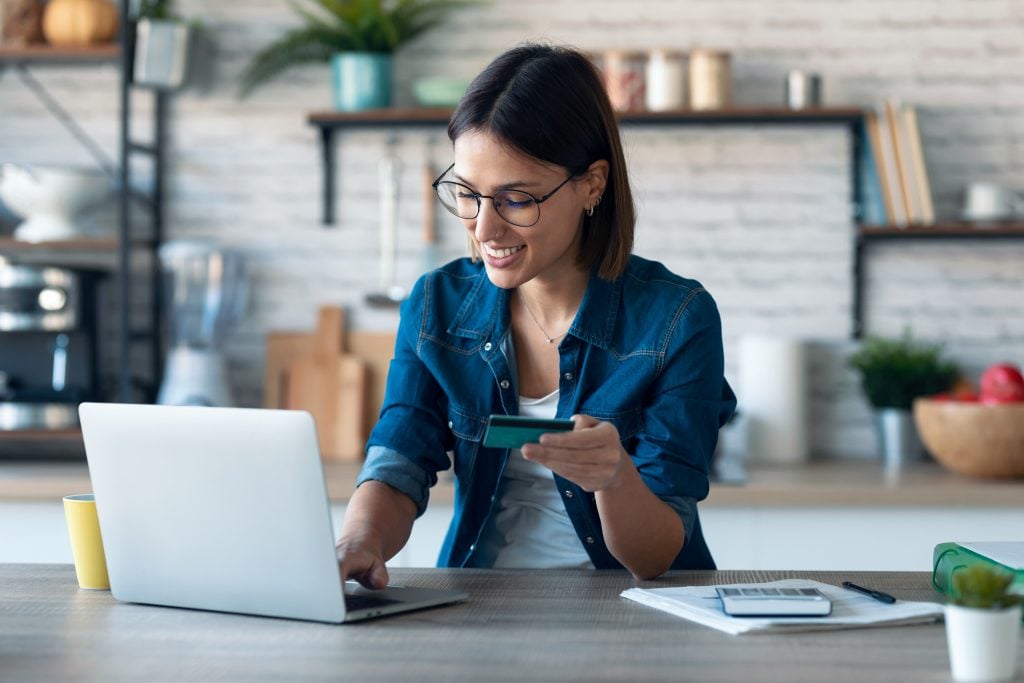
763 601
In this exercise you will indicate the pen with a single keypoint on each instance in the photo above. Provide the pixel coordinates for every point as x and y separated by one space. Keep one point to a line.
877 595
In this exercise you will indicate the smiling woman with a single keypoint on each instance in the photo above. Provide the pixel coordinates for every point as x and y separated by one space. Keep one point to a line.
540 185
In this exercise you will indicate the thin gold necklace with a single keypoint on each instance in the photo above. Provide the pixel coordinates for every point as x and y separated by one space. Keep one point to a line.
551 340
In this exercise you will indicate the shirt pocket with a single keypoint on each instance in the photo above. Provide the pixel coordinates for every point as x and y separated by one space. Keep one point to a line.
629 422
468 429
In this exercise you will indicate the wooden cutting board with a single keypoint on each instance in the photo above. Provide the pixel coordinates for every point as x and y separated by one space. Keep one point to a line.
332 385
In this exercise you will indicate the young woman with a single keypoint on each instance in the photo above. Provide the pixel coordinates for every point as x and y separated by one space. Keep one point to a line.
552 316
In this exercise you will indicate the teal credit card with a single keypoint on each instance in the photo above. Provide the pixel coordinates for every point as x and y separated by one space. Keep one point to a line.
512 431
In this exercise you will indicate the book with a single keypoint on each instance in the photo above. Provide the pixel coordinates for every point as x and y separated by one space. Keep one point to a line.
904 170
888 172
920 172
952 557
872 201
701 604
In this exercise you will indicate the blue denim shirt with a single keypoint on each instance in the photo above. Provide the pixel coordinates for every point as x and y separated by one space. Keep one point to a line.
644 352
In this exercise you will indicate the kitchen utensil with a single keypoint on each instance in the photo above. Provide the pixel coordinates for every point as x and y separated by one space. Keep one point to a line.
51 199
332 386
375 349
429 218
710 79
207 291
803 90
390 294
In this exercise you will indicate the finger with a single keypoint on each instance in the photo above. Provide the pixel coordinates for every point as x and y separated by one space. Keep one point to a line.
377 576
584 421
600 435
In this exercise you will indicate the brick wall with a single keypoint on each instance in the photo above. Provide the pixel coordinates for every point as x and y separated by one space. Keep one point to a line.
758 213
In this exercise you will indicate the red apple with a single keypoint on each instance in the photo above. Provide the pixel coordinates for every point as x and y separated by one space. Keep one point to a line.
1002 383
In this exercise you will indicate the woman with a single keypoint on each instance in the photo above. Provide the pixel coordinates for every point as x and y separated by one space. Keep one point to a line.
552 317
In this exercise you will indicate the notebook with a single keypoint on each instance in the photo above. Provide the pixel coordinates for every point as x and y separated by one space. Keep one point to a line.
223 509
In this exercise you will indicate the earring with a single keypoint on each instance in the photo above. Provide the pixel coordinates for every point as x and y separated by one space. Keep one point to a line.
590 211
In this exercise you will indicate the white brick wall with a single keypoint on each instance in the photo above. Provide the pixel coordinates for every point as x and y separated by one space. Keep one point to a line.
758 213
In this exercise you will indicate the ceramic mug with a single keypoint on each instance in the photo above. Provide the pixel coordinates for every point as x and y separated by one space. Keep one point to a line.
985 201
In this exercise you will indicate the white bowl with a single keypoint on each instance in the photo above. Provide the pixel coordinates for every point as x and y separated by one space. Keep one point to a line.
50 198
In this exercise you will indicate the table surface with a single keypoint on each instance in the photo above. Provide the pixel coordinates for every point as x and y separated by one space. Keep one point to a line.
564 625
818 483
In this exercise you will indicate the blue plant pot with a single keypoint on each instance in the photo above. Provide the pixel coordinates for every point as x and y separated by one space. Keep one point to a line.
362 80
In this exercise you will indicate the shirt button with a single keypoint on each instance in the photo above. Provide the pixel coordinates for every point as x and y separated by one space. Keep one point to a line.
487 346
589 539
568 494
504 384
568 376
472 547
451 425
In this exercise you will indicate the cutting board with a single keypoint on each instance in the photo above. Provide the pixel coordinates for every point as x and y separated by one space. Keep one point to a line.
332 385
375 349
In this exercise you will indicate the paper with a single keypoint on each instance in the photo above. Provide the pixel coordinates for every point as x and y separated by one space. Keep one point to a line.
1007 553
849 609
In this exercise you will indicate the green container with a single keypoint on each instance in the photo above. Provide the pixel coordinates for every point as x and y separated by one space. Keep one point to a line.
362 80
949 558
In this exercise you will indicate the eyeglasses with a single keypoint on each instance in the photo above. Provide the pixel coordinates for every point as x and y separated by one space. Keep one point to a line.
519 208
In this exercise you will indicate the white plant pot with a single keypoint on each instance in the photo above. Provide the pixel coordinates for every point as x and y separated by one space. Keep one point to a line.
982 643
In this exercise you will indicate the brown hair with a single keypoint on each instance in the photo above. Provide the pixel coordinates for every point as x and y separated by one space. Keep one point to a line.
549 103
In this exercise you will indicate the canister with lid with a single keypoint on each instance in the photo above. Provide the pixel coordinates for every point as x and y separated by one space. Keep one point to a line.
710 79
666 80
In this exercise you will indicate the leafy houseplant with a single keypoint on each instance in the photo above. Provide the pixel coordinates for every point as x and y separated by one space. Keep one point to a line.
161 46
983 625
893 373
358 37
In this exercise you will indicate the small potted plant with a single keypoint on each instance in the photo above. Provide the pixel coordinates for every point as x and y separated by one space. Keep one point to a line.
358 38
161 46
893 373
983 624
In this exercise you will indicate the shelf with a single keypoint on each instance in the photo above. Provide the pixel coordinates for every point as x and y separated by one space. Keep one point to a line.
70 436
960 230
329 122
9 244
66 55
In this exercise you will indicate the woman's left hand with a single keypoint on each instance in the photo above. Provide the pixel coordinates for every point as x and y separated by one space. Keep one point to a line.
590 456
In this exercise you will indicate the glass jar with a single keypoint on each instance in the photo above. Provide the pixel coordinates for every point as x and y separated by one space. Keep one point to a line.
710 79
624 79
666 80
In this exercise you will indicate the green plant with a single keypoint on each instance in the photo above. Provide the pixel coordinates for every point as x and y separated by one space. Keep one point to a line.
332 26
983 587
158 9
896 371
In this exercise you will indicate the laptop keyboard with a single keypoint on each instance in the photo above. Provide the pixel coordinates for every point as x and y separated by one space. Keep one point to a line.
363 601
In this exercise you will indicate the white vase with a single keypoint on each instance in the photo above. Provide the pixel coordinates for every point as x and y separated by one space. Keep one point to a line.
982 643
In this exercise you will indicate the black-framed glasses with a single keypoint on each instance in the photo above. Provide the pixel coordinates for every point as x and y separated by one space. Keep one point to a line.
517 207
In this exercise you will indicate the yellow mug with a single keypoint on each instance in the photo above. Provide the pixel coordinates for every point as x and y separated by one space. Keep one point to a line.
86 542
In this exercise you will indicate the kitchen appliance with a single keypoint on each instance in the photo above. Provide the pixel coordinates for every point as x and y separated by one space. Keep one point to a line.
207 291
51 199
47 345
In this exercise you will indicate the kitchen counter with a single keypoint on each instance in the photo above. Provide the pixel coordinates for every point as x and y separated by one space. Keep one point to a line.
819 483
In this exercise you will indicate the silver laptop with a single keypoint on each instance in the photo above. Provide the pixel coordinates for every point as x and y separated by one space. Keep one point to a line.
224 509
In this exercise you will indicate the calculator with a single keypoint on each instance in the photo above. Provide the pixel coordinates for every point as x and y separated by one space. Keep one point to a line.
764 601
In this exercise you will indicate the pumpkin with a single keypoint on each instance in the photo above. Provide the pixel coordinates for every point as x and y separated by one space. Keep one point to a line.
71 23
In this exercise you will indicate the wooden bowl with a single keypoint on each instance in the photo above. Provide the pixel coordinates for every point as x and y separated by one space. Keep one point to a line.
973 439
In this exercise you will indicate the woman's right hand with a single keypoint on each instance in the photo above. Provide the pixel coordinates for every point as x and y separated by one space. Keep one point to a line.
359 562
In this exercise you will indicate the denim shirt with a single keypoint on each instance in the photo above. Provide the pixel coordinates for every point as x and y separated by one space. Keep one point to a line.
644 353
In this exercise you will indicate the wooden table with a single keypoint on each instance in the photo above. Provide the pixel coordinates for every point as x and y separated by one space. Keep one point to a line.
517 626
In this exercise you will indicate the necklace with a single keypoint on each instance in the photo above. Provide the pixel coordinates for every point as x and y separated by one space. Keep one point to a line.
551 340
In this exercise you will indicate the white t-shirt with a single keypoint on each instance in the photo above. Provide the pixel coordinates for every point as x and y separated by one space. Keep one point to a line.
528 526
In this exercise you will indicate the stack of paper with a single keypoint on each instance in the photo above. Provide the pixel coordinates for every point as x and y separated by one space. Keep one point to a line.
849 609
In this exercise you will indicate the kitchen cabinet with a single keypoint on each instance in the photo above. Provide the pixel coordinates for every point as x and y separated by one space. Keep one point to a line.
131 255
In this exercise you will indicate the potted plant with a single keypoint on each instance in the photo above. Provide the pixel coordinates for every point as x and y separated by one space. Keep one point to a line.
983 624
358 38
161 46
893 373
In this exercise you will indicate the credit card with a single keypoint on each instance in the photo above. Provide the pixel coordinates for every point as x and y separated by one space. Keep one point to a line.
512 431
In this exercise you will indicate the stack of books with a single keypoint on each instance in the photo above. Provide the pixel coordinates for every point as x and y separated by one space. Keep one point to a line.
895 183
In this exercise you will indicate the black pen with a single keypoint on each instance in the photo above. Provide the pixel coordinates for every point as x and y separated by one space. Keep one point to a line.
877 595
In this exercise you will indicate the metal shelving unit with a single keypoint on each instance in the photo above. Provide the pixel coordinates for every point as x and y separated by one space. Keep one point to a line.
136 264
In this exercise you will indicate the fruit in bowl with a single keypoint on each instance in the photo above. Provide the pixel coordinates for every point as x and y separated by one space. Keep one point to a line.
979 435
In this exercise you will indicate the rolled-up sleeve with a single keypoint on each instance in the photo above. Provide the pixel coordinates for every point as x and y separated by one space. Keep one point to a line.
408 446
690 402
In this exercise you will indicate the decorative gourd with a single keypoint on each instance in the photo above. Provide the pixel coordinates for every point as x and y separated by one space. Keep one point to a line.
70 23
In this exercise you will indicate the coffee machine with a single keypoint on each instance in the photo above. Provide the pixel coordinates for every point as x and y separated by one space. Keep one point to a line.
206 293
47 345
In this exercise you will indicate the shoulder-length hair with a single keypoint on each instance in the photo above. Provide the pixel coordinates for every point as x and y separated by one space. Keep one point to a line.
549 103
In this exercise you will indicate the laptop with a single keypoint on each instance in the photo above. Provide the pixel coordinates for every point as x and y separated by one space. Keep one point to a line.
224 509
